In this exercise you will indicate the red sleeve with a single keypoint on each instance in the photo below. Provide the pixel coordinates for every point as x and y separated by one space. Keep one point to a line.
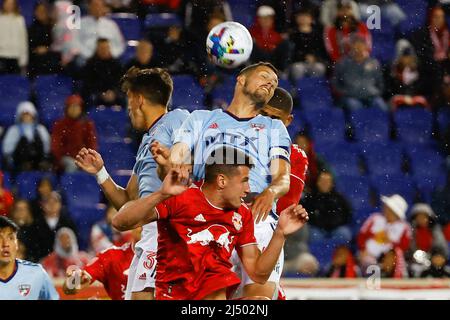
405 240
299 167
167 208
8 200
57 145
96 268
247 236
91 135
331 43
365 234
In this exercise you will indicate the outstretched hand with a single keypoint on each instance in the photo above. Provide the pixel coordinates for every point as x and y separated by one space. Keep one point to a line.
176 182
292 219
89 161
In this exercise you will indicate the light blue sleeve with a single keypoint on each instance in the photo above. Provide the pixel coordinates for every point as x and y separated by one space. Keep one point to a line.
48 291
10 140
45 136
280 142
191 128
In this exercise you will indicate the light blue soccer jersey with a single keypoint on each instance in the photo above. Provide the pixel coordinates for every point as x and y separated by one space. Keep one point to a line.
163 132
29 281
262 138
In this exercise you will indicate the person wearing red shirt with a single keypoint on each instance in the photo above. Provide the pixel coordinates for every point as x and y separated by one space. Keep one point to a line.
200 227
280 107
338 37
72 133
6 198
110 267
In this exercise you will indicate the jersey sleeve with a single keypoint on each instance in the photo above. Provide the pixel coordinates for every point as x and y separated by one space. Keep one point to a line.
190 129
167 208
96 268
176 122
48 291
247 236
280 142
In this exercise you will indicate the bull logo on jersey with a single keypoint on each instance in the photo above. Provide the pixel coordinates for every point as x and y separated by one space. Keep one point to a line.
24 289
237 221
215 233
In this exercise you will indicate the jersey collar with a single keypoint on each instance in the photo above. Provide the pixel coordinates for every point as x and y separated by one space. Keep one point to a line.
156 121
16 267
237 118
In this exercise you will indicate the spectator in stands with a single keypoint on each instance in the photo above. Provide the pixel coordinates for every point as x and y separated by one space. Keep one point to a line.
441 205
426 233
438 267
330 213
330 8
339 37
145 57
405 83
101 76
21 214
65 38
268 44
196 13
358 79
122 5
343 264
392 264
44 189
304 264
104 236
52 218
431 45
382 232
97 26
72 133
26 144
43 60
65 254
13 39
6 197
389 9
309 54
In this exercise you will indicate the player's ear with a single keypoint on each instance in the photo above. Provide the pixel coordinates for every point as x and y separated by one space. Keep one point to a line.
221 181
241 80
289 120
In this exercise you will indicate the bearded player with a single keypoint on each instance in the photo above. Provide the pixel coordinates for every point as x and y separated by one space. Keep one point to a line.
148 92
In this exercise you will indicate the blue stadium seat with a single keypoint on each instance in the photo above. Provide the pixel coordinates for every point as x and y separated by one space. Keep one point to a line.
425 161
80 189
13 90
85 218
7 181
27 182
128 54
27 10
161 20
314 93
111 124
383 48
298 123
355 189
122 177
443 119
370 125
244 13
224 91
51 92
360 216
129 25
117 156
414 125
394 183
383 158
186 91
327 125
416 13
343 157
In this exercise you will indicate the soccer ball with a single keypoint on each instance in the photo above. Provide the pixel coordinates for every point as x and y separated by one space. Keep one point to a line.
229 44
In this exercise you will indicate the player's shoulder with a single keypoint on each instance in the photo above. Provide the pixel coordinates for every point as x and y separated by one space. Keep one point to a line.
115 249
28 264
30 268
297 152
177 114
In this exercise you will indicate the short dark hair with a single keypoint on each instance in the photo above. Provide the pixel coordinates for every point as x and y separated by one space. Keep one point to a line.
282 100
225 160
8 223
251 68
154 84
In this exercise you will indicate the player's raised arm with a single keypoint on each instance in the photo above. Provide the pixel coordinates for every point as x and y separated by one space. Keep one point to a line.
259 265
91 162
139 212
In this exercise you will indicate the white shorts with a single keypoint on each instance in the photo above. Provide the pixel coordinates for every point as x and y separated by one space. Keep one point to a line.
142 272
263 235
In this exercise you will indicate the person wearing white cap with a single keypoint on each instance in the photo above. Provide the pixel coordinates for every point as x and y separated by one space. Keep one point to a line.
269 45
384 231
26 144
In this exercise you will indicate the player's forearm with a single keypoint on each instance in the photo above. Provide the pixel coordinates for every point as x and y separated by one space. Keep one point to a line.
268 259
115 194
138 212
280 185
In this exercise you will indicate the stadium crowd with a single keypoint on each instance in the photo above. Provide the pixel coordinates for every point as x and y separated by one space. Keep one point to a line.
371 111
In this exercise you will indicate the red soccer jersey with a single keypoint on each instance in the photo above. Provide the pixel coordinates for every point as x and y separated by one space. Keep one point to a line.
110 267
195 242
299 167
